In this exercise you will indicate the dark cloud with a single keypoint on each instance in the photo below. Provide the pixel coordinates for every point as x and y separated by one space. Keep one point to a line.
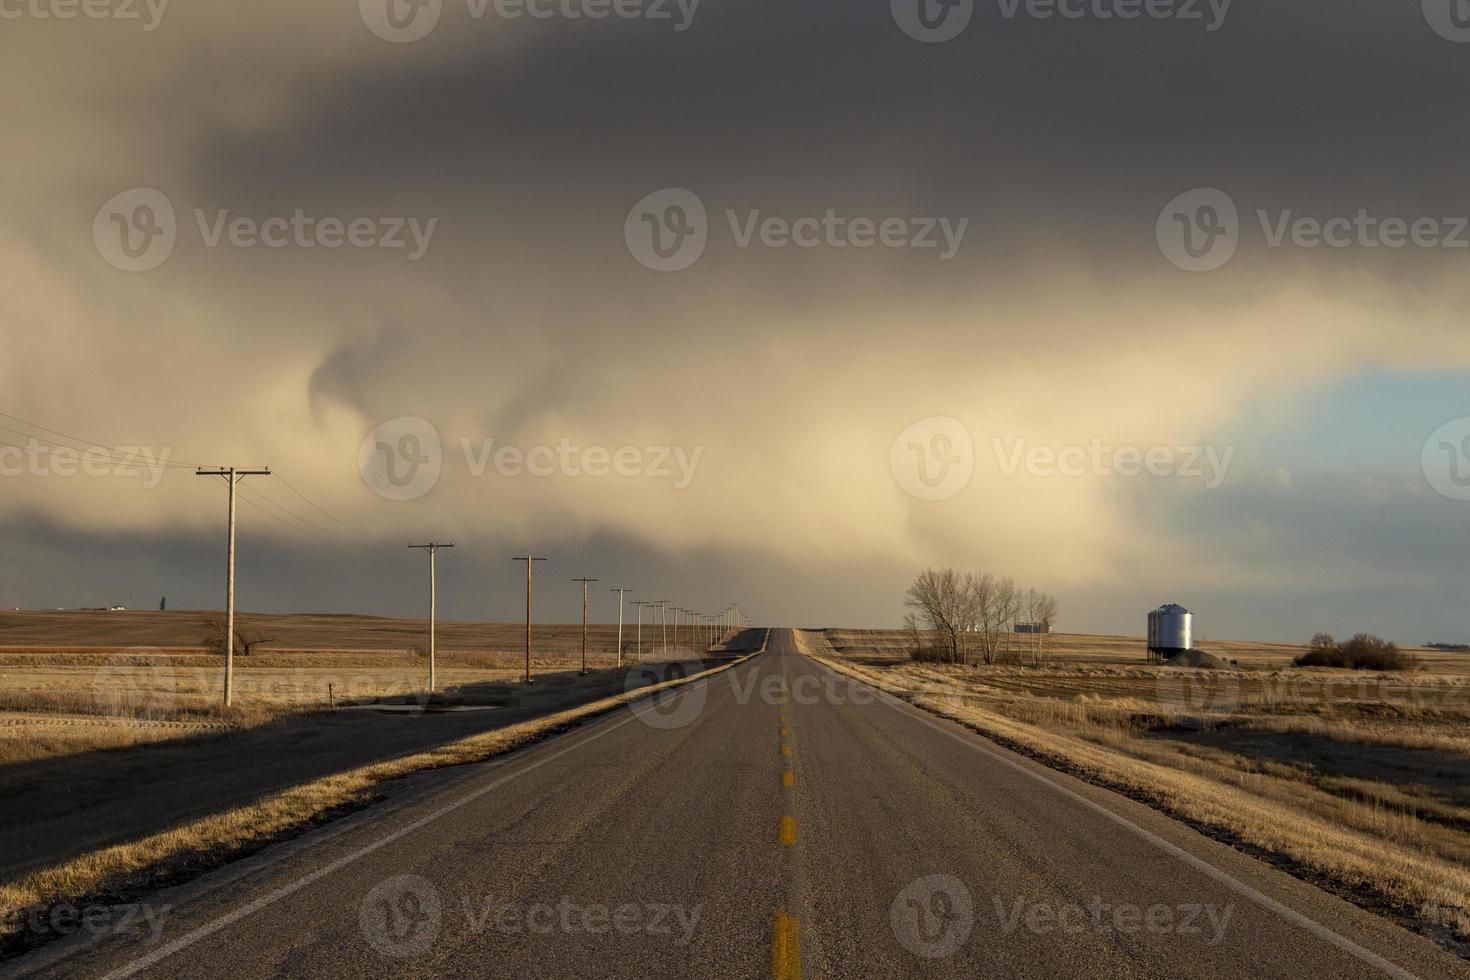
529 321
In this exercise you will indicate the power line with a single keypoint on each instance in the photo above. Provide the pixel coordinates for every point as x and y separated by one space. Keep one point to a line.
323 511
119 455
87 442
280 520
114 455
328 532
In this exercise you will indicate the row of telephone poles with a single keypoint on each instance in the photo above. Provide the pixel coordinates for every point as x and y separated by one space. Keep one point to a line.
712 627
705 627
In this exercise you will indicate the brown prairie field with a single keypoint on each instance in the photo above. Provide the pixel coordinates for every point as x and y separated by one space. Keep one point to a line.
95 704
71 681
118 761
1358 781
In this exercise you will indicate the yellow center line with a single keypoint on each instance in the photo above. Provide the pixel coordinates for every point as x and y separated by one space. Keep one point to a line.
785 750
788 830
785 733
785 946
787 777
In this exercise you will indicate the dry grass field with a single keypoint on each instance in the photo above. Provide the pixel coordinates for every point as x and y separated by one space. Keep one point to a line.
73 681
1358 781
116 757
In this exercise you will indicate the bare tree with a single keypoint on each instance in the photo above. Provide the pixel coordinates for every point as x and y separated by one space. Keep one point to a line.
1008 609
973 613
1031 606
245 643
988 614
941 603
1044 616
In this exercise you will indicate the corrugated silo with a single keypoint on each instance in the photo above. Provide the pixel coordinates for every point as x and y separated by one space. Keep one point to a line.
1170 631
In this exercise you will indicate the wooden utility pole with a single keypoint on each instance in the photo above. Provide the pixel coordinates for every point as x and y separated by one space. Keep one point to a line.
663 610
232 477
584 582
432 549
620 593
638 639
528 559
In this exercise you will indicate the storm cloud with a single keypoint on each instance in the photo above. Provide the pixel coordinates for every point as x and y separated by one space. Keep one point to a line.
823 142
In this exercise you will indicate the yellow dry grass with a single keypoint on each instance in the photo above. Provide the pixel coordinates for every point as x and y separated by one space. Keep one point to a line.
113 869
54 704
1361 783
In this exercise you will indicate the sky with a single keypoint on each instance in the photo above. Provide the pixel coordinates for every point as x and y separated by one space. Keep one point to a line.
752 302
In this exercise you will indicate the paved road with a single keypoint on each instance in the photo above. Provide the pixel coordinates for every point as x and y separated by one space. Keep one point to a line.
775 819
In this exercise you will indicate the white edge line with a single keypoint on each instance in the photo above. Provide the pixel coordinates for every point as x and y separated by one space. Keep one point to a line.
245 911
1265 901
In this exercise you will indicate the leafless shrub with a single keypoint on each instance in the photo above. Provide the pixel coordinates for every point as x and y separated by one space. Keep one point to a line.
1363 652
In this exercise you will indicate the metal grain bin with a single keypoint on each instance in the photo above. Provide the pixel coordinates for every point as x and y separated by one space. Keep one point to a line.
1170 631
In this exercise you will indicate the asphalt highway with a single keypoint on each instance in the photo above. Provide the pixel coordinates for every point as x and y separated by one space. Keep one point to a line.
773 820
